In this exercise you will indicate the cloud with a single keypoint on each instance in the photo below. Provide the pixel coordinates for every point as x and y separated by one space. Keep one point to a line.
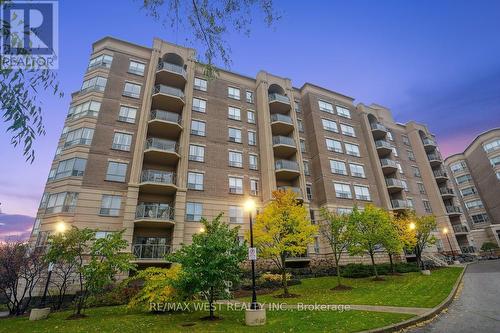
15 227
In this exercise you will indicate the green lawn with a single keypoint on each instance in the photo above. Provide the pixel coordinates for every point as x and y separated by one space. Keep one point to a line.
410 290
118 319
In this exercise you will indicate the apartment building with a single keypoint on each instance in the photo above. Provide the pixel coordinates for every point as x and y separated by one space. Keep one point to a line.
150 145
476 182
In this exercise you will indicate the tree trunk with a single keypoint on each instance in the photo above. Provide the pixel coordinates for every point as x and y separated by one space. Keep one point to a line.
373 264
338 271
392 264
283 277
210 303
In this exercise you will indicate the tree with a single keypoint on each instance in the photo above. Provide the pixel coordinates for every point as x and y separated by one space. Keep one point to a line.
20 89
211 262
403 237
372 229
338 230
209 22
424 225
282 230
489 246
21 268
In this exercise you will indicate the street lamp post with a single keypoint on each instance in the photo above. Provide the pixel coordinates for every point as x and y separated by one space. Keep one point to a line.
49 274
445 231
250 205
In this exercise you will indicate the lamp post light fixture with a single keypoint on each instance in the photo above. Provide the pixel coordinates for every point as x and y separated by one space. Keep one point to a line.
412 226
252 252
49 273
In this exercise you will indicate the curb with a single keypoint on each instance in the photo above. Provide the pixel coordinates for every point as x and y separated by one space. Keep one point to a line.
423 317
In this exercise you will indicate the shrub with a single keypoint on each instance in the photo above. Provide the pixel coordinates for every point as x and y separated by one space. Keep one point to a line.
114 295
363 271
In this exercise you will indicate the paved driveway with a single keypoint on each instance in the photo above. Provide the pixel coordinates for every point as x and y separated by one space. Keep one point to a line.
477 308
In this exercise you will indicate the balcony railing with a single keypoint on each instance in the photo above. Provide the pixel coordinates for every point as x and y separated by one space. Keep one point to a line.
440 173
161 144
445 190
394 182
429 142
383 144
387 162
294 189
460 228
150 251
399 204
172 68
166 116
434 157
281 117
453 209
156 176
286 164
163 89
280 98
283 140
468 249
161 212
378 126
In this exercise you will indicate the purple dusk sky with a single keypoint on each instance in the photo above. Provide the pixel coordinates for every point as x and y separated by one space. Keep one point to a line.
436 62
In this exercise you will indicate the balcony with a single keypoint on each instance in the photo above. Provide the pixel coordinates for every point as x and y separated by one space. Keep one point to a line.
383 148
378 130
284 146
161 151
154 215
294 189
286 169
167 98
453 210
158 182
398 204
171 74
440 175
164 122
281 124
150 252
435 159
468 249
446 193
388 166
460 229
429 144
279 103
394 185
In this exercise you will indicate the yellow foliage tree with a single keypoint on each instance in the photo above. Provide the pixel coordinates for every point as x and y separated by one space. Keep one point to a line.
405 236
282 230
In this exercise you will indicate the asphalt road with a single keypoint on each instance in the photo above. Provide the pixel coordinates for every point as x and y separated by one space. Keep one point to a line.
477 307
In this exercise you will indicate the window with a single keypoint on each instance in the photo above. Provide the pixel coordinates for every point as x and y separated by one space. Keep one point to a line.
312 216
52 174
416 171
410 202
116 171
421 188
389 135
198 127
200 84
58 152
194 211
235 214
400 168
300 125
235 159
253 162
342 191
122 141
362 193
298 107
102 234
43 201
427 206
136 68
325 106
347 130
307 172
199 105
233 93
87 109
251 117
73 167
110 205
234 134
357 170
411 156
329 125
495 161
249 96
254 187
233 113
103 60
64 202
252 138
458 166
343 112
309 192
498 175
338 167
196 153
303 145
468 191
344 211
316 245
405 185
480 218
334 145
195 181
80 136
474 204
406 141
132 90
394 151
127 114
463 179
492 146
235 185
36 227
97 83
352 149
